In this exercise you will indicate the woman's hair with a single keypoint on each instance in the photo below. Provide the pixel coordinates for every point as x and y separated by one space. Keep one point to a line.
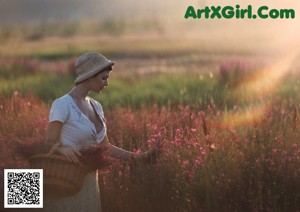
109 68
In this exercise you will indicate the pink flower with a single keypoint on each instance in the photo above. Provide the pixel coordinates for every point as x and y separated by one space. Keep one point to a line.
185 163
137 151
202 151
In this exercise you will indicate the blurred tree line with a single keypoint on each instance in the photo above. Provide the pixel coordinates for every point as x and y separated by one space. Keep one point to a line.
108 26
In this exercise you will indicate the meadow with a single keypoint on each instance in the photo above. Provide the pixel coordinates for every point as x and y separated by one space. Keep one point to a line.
227 121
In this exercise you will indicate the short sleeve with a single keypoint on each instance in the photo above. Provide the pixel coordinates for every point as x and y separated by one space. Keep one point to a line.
59 111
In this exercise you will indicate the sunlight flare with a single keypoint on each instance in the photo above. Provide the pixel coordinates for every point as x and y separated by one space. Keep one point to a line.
245 116
267 80
256 88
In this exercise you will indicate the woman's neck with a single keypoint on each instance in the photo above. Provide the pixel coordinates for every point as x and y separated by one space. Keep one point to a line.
79 92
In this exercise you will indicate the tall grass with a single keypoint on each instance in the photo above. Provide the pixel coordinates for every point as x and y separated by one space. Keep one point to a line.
24 118
252 168
206 163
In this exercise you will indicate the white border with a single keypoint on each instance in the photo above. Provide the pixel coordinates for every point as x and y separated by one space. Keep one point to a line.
6 205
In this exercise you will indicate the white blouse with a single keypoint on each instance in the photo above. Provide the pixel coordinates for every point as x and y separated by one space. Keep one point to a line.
77 129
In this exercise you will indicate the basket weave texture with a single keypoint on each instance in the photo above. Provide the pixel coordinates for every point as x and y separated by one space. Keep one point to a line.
62 178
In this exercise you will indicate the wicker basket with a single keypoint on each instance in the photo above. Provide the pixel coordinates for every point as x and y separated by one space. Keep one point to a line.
62 178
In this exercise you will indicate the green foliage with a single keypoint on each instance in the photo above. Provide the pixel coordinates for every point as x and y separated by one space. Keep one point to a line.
139 91
161 90
47 87
132 92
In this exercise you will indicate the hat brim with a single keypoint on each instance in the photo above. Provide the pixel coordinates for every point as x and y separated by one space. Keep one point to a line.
93 72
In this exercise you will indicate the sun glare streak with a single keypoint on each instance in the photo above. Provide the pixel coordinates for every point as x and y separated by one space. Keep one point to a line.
264 83
245 116
267 80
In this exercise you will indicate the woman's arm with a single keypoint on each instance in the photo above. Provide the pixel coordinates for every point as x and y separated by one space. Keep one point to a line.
52 137
53 132
122 154
117 152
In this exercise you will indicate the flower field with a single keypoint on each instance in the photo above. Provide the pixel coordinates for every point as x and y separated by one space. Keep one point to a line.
229 138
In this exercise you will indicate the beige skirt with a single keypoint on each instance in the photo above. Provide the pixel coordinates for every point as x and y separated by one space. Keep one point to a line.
87 199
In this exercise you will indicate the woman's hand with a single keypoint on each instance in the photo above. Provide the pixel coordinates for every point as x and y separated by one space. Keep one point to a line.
70 153
148 156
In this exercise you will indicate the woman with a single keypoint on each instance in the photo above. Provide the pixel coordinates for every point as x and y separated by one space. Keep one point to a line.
77 120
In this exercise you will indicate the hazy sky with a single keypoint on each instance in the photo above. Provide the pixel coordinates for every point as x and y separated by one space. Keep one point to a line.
12 11
18 10
166 11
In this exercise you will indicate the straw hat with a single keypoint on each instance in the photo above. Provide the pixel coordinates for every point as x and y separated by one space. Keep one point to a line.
90 64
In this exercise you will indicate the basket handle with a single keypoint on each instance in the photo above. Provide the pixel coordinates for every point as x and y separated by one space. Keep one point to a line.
53 149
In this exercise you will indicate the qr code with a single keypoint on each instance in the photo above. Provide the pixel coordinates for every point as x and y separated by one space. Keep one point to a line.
23 188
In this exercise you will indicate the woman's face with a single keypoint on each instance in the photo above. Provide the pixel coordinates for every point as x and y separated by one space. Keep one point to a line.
99 81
